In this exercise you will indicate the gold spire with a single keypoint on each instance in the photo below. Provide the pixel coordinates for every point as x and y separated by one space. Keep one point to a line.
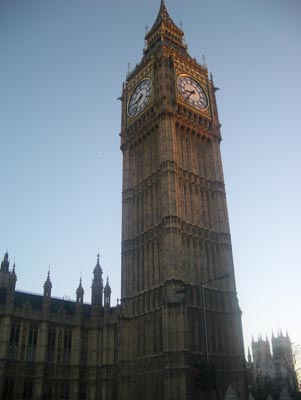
164 30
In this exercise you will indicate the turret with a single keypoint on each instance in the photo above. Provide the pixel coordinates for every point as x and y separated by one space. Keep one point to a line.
47 286
47 294
13 278
282 348
5 263
80 293
284 361
107 296
97 285
262 356
7 279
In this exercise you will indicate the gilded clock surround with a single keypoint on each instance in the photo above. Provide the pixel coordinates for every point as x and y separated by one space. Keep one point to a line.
192 92
140 97
133 80
199 74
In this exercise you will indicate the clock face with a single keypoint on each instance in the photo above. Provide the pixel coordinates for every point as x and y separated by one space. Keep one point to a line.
140 97
192 92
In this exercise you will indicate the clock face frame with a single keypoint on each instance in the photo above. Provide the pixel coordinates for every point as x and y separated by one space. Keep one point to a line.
140 97
192 92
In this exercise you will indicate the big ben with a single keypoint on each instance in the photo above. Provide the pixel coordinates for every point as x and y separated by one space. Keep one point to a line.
180 313
176 334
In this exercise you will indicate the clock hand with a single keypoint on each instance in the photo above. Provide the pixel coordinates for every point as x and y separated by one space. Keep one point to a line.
190 92
139 98
135 104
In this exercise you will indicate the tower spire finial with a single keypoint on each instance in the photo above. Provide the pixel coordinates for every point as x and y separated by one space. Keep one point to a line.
164 31
163 10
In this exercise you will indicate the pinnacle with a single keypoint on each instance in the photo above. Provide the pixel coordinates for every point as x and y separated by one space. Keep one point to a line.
48 283
164 30
163 15
97 270
107 287
80 287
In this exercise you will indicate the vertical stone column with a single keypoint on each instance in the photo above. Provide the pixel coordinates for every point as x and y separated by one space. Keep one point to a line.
5 327
40 359
75 361
175 325
94 362
107 360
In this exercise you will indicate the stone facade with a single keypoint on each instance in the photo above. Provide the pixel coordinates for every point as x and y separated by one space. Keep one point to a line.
53 348
179 320
175 230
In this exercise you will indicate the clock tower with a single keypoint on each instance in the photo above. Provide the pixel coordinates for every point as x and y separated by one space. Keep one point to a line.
180 330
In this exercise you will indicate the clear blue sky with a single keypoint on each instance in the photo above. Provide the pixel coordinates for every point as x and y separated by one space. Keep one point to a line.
61 71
